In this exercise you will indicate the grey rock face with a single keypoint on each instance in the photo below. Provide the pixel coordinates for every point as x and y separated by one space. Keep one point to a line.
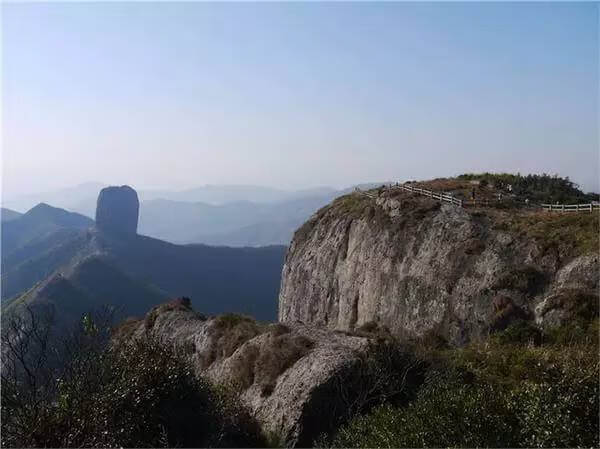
286 390
117 210
414 265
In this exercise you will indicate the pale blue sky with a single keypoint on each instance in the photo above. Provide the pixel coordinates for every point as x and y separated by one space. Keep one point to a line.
296 95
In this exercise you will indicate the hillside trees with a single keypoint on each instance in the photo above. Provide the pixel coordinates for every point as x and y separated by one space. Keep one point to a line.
76 389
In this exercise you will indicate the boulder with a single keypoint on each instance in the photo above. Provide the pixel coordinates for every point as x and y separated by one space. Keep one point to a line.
286 375
117 210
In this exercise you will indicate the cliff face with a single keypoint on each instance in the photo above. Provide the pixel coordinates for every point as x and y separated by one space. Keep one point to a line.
414 265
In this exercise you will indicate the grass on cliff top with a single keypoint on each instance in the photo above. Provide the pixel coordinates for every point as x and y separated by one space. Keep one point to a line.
353 205
542 188
574 233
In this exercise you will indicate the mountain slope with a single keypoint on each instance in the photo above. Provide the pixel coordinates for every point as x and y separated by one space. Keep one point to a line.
41 257
240 223
39 222
244 280
255 235
68 198
219 279
8 214
88 285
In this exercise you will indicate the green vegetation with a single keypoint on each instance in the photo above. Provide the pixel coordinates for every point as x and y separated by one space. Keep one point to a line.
571 234
538 188
504 392
353 204
143 394
228 333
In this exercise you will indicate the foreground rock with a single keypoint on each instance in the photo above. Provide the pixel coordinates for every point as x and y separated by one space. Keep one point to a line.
117 210
288 376
416 266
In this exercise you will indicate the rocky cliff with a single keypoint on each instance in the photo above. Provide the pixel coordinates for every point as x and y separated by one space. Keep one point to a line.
286 375
117 210
415 266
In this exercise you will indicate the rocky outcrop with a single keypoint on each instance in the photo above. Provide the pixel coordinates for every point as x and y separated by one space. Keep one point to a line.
117 210
286 375
415 265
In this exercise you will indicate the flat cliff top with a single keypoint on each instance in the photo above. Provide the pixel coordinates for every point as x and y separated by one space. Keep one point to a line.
571 233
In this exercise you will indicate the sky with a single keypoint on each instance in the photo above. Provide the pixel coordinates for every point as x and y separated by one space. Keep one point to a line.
294 95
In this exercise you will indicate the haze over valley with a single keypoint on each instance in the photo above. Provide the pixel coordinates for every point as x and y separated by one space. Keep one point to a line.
214 215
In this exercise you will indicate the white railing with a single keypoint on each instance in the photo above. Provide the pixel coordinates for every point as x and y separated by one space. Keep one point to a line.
440 196
431 194
570 207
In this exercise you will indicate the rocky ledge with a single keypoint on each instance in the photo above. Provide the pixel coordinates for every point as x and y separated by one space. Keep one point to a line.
297 380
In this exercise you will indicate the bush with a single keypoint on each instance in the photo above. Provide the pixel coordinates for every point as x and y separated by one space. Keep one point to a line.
558 414
227 334
448 412
577 331
262 362
280 353
143 394
519 332
542 188
491 395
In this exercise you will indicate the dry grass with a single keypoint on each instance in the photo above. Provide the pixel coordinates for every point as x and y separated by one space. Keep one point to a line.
227 333
570 234
181 304
262 363
125 329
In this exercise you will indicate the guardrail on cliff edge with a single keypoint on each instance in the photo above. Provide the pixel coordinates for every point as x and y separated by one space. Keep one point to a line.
458 202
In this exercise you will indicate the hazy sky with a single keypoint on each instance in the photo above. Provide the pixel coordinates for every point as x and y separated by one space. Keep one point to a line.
296 95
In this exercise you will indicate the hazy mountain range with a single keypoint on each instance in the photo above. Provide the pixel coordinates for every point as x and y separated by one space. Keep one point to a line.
59 259
228 215
8 214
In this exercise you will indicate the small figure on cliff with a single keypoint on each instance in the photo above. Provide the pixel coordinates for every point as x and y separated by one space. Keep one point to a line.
473 194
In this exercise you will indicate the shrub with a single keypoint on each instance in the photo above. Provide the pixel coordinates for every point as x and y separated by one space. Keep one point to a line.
577 331
526 279
519 332
563 413
448 412
277 355
227 333
263 362
143 394
491 395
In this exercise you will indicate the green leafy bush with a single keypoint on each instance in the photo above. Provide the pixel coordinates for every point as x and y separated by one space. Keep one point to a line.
447 412
519 332
491 394
542 188
142 394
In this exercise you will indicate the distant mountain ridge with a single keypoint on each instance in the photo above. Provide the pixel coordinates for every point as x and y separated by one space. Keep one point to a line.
8 214
82 198
228 215
59 255
40 221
